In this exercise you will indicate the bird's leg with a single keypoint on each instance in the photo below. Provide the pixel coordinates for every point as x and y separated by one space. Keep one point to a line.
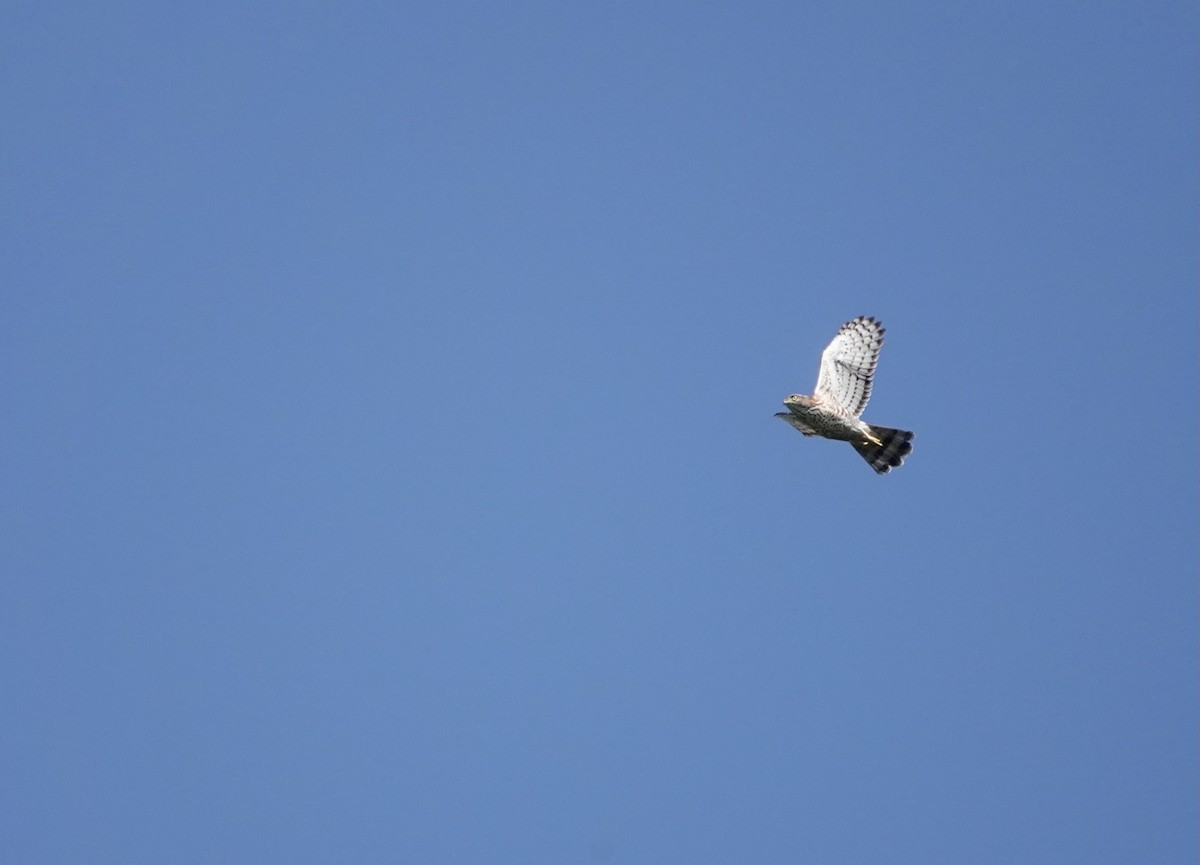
872 440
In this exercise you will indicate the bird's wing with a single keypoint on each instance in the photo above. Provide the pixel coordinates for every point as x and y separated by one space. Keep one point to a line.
796 422
848 365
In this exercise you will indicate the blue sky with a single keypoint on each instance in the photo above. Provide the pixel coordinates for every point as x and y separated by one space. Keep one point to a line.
389 471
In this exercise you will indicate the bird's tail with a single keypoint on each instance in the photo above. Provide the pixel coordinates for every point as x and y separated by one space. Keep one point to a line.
897 444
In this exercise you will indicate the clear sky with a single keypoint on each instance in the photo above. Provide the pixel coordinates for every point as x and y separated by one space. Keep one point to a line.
387 463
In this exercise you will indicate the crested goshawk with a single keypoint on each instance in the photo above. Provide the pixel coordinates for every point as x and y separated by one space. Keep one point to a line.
843 388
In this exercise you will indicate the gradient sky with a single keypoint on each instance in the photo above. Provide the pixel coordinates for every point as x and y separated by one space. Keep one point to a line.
388 465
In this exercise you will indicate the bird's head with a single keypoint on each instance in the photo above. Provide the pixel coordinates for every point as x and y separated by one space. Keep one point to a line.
799 400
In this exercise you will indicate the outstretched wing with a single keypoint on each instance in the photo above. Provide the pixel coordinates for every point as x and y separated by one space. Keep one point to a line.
796 422
848 365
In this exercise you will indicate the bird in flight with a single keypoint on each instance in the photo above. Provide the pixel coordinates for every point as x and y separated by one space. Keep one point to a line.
843 388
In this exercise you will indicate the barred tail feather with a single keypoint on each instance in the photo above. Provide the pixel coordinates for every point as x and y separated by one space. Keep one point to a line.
897 444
